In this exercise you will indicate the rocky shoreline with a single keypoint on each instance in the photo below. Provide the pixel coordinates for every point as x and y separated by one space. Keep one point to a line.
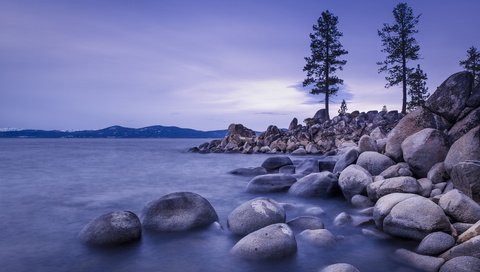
419 182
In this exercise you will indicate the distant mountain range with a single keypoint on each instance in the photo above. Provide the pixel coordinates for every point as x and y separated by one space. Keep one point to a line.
117 132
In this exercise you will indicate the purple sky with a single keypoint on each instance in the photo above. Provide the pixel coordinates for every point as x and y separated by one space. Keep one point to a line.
201 64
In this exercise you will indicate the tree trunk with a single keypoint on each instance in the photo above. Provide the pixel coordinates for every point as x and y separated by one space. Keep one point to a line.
404 84
327 80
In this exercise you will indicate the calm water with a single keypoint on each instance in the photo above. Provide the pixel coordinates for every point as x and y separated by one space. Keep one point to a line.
50 188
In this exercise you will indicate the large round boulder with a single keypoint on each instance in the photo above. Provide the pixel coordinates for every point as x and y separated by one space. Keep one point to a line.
112 229
464 149
315 184
340 267
177 212
451 97
354 180
255 214
367 143
468 248
411 123
271 242
465 125
400 169
461 264
350 157
423 149
273 163
270 183
385 204
415 218
435 243
460 207
318 237
465 177
397 185
375 163
437 173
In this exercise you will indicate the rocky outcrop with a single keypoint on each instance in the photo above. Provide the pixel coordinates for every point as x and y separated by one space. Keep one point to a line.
112 229
177 212
272 242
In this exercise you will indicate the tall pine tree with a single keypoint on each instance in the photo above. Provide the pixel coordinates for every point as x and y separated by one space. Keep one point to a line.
417 89
324 61
472 63
400 46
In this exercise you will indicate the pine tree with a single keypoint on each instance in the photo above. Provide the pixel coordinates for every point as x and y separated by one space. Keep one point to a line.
324 61
417 89
343 108
472 63
400 45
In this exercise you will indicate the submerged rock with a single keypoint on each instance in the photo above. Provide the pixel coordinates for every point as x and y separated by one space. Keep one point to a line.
255 214
273 163
319 237
271 242
270 183
250 171
305 222
421 262
340 267
177 212
112 229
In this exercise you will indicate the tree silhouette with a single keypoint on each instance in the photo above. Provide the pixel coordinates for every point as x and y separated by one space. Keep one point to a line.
400 46
472 63
417 89
343 108
324 61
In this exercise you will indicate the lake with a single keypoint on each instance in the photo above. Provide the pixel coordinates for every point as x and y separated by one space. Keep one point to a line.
51 188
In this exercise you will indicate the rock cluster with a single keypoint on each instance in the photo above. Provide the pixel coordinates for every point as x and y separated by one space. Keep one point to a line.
317 136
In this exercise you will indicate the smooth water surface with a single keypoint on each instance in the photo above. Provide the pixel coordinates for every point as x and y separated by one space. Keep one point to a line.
51 188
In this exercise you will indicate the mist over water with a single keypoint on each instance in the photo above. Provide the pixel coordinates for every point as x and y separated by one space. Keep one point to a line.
51 188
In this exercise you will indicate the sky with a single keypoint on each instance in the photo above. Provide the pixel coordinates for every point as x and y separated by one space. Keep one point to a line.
73 65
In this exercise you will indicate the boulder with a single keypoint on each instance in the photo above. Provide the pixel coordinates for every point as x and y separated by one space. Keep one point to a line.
423 149
408 125
375 234
437 173
415 218
249 171
270 183
271 242
474 99
340 267
287 169
395 185
350 157
377 134
316 184
420 262
299 151
375 163
360 201
112 229
398 170
385 204
318 237
307 166
451 97
465 125
273 163
326 164
342 218
468 248
465 177
305 222
321 116
366 143
464 149
460 207
460 228
471 232
435 243
293 124
255 214
354 180
177 212
427 187
240 130
461 264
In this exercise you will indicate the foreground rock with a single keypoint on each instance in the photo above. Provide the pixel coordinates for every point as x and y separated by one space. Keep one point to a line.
112 229
273 163
354 180
270 183
423 149
465 177
177 212
319 237
340 267
255 214
421 262
375 163
468 248
316 184
350 157
415 218
385 204
271 242
460 207
435 243
381 188
462 264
